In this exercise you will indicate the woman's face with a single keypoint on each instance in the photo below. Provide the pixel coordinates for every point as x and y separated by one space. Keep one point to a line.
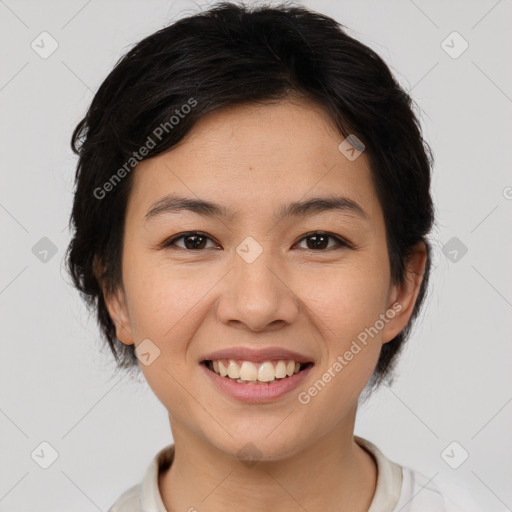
257 279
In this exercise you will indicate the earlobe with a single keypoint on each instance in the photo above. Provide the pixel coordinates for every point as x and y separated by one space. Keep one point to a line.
403 297
115 303
116 306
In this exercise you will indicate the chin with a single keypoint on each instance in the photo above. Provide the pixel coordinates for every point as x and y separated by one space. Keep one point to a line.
260 445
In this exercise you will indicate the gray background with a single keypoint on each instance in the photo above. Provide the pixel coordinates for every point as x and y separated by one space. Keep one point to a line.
57 386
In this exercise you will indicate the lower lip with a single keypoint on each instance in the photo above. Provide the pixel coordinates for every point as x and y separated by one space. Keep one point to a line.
254 393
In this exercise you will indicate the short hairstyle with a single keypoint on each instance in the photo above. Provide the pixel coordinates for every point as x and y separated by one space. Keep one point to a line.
233 55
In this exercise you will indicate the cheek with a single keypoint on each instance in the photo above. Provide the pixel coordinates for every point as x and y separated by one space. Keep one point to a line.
163 297
166 307
346 312
345 316
347 300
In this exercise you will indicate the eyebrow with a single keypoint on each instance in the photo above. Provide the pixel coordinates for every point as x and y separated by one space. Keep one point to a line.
175 204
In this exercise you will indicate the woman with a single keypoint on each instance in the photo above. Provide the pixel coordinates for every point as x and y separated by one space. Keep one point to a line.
251 216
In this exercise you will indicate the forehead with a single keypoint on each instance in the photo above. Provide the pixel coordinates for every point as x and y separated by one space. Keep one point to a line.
249 156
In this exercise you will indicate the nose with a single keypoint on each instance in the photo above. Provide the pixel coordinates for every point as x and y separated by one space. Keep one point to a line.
257 296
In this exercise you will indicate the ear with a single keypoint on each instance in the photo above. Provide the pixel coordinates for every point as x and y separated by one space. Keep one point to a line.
115 301
118 311
403 297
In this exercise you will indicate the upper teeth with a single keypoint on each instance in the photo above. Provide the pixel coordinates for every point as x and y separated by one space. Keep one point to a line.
248 371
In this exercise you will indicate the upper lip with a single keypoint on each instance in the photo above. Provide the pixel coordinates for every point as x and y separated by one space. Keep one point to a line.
256 355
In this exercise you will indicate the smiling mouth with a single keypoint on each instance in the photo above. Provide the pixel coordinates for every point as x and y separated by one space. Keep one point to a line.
247 372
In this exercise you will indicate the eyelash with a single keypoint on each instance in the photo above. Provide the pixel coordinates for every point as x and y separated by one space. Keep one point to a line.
341 242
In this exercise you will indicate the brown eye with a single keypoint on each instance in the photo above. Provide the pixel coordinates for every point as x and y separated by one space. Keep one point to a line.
320 241
192 241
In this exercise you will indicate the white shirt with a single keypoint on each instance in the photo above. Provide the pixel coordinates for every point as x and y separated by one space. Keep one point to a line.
398 489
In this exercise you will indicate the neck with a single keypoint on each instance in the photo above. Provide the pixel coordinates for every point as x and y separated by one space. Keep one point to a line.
334 473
